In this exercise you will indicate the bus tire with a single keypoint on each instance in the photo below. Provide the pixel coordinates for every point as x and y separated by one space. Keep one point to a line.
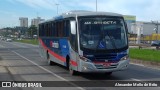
49 60
71 71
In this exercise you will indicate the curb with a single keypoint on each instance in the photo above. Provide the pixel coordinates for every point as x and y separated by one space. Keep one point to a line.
155 65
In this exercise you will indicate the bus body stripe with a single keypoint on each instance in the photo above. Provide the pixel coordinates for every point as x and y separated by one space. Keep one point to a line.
56 55
74 63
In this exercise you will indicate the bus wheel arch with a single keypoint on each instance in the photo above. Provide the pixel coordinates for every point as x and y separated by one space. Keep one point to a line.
47 55
67 61
69 66
48 59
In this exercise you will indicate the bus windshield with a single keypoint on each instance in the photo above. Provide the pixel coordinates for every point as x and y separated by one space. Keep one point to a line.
102 33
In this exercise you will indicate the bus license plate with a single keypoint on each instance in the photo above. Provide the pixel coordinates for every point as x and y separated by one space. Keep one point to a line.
106 64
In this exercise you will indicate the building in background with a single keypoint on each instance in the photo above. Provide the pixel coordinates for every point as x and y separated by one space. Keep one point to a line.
130 19
147 28
144 32
36 21
23 21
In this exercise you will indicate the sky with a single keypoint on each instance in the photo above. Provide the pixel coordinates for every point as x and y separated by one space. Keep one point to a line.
11 10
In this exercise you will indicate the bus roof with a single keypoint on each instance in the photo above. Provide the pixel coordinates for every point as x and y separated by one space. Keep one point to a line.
78 13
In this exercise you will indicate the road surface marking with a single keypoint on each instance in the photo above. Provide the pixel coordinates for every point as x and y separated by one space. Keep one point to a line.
48 71
145 66
135 79
137 64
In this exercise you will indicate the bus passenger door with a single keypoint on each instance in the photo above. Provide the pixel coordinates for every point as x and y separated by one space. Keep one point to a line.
74 47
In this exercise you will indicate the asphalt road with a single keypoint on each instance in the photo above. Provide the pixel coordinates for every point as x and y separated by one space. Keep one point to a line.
22 62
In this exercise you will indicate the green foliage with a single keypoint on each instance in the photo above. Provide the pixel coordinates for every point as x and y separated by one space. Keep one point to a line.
30 41
145 54
32 30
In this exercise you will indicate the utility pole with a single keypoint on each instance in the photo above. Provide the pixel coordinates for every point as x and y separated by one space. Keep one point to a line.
57 8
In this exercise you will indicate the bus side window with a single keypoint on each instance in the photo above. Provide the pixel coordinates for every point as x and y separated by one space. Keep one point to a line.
56 29
39 30
66 28
49 30
52 29
60 29
45 30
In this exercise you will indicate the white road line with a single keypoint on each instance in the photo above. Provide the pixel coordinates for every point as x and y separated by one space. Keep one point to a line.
48 71
150 67
135 79
137 64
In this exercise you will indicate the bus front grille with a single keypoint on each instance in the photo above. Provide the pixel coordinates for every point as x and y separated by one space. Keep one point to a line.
104 66
106 56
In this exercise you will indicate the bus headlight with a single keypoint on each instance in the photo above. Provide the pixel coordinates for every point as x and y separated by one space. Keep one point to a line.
125 58
84 59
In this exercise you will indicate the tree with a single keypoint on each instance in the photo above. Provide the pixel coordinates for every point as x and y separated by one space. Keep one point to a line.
32 30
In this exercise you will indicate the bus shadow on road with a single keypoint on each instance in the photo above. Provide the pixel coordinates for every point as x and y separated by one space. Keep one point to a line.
99 76
93 76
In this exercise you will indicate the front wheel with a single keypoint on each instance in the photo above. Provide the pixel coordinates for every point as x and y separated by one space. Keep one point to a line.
71 71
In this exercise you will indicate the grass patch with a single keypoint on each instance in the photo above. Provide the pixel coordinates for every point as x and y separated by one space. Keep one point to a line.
30 41
145 54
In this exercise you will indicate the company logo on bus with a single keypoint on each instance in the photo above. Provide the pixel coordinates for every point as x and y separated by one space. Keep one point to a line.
100 22
54 44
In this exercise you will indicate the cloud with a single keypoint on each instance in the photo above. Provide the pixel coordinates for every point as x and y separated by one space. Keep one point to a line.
8 19
144 9
8 14
47 4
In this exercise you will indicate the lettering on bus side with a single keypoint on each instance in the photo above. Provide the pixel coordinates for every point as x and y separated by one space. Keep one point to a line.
54 44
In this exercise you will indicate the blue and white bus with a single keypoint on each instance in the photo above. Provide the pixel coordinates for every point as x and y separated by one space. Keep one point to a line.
85 41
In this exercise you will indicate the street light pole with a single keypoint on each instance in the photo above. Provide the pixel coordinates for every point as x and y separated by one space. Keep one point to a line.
96 5
57 8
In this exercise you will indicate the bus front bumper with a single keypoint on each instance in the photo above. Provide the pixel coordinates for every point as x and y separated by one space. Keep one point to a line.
92 67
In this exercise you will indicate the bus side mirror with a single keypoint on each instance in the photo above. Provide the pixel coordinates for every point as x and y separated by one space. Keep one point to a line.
73 27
